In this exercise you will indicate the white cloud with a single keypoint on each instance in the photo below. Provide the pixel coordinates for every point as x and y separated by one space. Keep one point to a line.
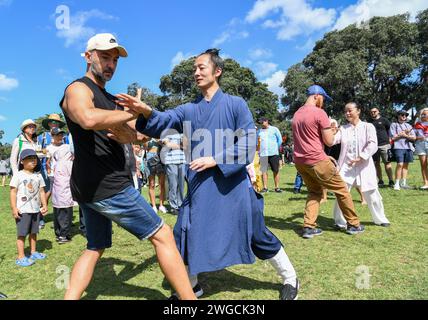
263 68
180 56
5 3
259 53
7 84
296 17
307 46
366 9
64 74
274 82
2 118
233 32
78 31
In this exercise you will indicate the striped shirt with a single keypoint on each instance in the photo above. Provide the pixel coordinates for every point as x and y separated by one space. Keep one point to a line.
174 156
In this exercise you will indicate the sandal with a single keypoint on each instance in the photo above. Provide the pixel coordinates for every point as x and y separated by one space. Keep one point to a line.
24 262
37 256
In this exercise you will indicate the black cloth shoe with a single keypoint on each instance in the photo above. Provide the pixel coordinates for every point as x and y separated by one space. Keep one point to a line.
381 183
264 190
288 292
296 191
278 190
196 289
309 233
391 184
62 240
355 230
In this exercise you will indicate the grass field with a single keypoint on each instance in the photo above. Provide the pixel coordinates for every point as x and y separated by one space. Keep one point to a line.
331 266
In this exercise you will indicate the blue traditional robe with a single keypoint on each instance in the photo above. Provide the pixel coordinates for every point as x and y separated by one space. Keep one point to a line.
214 226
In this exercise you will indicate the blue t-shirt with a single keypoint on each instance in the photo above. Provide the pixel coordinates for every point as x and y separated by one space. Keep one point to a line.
270 141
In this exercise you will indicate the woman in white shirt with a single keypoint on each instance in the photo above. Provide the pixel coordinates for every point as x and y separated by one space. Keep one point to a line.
421 144
25 140
358 144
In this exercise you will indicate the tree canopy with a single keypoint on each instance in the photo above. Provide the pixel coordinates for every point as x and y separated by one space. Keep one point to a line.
179 87
376 64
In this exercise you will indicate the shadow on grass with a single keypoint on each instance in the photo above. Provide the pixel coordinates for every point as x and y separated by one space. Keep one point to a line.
44 245
107 283
292 223
226 281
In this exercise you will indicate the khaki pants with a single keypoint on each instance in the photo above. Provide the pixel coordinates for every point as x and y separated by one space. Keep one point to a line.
324 174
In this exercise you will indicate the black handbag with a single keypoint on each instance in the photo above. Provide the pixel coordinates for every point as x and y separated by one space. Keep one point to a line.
154 161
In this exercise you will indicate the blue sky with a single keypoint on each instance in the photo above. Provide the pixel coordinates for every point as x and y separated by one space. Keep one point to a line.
41 52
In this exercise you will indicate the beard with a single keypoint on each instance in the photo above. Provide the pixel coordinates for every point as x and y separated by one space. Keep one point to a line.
99 74
319 103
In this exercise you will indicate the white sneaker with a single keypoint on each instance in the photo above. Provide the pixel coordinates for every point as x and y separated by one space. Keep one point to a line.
155 209
162 209
397 188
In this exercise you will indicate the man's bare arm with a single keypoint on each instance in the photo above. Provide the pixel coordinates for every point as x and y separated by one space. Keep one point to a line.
327 137
80 108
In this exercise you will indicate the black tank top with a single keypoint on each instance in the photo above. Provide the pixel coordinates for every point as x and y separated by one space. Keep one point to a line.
100 168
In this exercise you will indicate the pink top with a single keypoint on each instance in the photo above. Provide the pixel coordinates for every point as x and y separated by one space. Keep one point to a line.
61 193
307 124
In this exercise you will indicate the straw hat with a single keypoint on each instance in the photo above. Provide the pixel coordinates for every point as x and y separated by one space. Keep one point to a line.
52 117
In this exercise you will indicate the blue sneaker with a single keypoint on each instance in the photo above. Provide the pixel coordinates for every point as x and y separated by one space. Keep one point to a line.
37 256
309 233
355 230
24 262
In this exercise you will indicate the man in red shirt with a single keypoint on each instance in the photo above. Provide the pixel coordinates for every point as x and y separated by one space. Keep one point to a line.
311 130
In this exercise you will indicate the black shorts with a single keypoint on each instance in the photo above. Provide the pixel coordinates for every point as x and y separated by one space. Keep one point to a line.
28 224
273 161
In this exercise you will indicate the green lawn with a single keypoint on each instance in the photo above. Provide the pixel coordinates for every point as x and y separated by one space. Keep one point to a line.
327 266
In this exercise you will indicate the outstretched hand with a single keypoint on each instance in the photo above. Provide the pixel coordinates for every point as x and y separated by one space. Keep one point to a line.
134 104
122 134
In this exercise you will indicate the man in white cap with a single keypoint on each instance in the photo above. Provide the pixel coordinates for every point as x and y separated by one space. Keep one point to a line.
101 180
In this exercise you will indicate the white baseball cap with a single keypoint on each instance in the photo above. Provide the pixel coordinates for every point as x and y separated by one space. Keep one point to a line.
103 42
26 123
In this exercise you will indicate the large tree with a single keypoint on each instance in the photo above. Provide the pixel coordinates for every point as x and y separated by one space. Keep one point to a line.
420 92
371 64
179 87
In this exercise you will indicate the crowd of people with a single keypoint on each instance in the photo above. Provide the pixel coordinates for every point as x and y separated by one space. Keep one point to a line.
110 147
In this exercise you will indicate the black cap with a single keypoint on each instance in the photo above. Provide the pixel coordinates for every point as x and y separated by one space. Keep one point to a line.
402 112
28 153
57 131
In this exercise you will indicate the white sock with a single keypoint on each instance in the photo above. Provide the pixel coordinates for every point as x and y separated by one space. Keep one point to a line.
283 267
397 182
193 279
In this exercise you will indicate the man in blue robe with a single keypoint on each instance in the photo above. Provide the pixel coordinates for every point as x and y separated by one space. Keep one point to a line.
221 221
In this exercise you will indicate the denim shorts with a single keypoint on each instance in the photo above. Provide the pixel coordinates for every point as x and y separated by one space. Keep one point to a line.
403 155
421 148
128 209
